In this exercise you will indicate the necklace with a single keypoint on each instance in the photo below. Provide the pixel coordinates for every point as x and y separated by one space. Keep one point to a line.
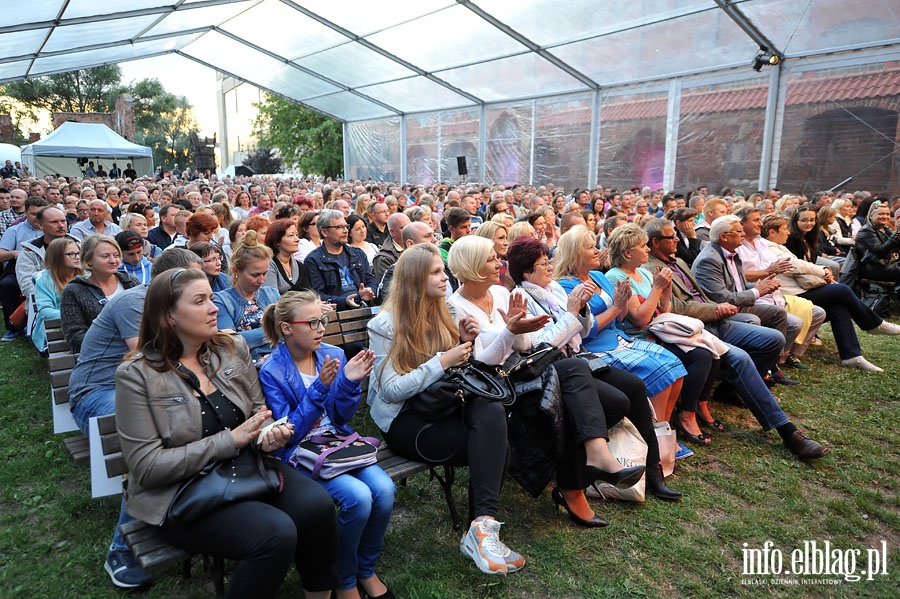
488 311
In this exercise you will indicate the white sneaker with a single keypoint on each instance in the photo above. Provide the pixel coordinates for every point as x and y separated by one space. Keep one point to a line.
482 543
885 328
862 364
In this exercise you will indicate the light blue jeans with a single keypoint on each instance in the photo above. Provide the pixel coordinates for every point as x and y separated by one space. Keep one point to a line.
101 401
366 501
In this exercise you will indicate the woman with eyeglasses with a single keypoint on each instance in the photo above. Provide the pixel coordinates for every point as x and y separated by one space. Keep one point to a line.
317 389
241 306
212 265
190 397
61 265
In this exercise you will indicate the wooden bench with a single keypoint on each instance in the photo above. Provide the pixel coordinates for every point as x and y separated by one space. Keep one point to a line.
153 553
60 363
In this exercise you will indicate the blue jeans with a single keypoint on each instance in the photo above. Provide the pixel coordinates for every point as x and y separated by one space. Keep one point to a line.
101 401
751 352
366 500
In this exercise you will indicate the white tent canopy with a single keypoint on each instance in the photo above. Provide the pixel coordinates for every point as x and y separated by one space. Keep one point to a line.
65 150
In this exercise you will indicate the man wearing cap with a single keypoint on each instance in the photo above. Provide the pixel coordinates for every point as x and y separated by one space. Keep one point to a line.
133 260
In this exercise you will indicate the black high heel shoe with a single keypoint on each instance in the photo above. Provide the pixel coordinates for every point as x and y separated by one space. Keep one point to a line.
560 501
623 479
713 424
701 439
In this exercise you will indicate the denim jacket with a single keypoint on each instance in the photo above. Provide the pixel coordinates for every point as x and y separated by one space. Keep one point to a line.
231 308
287 395
325 273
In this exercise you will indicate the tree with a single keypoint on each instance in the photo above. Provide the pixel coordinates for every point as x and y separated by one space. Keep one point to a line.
164 122
263 161
88 90
306 139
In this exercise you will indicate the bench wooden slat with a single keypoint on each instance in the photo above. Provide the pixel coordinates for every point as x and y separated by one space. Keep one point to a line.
110 444
62 362
354 314
333 339
107 425
60 378
57 346
116 466
56 335
353 337
78 447
61 395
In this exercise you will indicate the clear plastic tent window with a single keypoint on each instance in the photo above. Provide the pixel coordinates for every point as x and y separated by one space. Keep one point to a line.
646 92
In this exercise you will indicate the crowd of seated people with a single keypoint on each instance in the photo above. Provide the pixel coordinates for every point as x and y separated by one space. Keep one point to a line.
462 272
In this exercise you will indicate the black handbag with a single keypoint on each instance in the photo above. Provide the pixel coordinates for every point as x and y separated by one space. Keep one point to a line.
249 476
526 367
461 384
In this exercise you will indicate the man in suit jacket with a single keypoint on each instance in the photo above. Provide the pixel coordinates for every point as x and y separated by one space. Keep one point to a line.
752 349
719 272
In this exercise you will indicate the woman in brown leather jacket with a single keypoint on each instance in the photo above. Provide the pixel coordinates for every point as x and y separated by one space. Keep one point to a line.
191 396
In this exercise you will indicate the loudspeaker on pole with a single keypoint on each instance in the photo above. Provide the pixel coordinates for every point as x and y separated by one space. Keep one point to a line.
461 166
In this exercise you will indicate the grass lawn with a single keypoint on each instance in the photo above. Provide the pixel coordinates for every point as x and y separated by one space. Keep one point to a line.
744 488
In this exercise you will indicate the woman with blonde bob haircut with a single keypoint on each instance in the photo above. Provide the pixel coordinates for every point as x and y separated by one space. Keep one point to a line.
415 341
317 389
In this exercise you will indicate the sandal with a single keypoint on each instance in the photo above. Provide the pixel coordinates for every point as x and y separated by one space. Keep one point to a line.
714 424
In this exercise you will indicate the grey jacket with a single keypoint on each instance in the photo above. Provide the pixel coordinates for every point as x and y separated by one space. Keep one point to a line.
160 427
716 280
388 389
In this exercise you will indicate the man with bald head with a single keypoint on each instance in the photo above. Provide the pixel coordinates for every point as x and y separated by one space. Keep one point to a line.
390 250
412 234
96 222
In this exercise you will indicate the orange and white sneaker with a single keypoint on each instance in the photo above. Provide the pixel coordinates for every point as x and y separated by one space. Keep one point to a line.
482 544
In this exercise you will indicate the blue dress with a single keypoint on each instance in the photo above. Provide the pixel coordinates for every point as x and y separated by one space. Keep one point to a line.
655 365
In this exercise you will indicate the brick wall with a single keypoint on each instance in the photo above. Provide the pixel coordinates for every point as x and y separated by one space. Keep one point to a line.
121 120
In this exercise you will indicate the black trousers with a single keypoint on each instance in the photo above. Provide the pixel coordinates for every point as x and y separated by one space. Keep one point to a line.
298 525
842 309
702 372
474 436
10 294
618 394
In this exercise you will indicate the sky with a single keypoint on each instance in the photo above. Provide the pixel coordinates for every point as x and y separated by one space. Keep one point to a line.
182 77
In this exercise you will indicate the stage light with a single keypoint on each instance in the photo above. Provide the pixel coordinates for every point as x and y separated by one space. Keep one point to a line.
764 58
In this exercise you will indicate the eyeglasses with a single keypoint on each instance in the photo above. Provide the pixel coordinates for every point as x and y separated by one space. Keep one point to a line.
345 227
668 237
72 254
212 260
313 324
544 264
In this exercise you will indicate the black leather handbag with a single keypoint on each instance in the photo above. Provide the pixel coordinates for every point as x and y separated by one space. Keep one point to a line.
251 475
526 367
461 384
248 476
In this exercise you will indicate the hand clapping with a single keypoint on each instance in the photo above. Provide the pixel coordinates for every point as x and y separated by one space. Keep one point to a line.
359 367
